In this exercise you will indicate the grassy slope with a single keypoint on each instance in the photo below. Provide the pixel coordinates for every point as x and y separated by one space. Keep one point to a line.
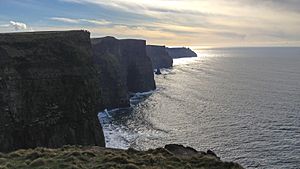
96 157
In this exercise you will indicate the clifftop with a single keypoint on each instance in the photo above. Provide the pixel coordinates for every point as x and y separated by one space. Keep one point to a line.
181 52
32 36
172 156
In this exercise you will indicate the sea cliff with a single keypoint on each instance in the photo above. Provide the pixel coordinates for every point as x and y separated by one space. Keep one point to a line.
52 86
49 91
159 56
181 52
130 54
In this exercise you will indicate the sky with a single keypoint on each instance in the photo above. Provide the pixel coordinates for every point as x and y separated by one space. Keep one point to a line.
206 23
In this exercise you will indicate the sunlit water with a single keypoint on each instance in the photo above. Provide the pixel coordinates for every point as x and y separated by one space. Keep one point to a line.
242 103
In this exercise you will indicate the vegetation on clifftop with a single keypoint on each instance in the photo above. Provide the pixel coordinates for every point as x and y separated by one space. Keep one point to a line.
77 157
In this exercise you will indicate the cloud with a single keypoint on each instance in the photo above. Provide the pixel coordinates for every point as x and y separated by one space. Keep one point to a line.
181 22
97 22
18 25
77 21
68 20
15 25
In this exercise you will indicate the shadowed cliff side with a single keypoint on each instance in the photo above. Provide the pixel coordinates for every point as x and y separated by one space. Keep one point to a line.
136 67
181 52
159 56
48 91
113 84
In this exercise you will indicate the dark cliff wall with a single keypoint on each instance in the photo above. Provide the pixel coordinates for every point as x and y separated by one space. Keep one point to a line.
48 90
181 52
159 56
140 77
135 66
113 85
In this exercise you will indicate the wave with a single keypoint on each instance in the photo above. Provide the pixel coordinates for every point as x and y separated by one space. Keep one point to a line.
118 135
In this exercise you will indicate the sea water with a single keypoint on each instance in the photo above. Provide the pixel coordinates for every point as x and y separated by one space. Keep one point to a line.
242 103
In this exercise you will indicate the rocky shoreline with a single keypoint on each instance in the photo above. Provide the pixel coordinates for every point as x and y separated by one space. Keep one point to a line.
52 86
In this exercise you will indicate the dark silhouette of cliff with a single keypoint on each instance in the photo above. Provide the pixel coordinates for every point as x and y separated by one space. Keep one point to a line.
181 52
49 91
136 69
159 56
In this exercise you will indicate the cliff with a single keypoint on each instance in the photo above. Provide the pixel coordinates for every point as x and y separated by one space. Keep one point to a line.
159 56
112 81
136 69
181 52
49 91
171 156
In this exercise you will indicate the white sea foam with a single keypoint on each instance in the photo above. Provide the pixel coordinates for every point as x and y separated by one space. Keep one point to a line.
116 135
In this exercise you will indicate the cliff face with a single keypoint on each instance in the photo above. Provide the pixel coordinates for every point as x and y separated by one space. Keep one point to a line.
112 82
181 52
48 91
159 56
135 66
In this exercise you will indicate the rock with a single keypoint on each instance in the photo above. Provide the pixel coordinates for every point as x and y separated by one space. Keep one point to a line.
130 54
180 150
49 91
210 152
181 52
158 72
159 56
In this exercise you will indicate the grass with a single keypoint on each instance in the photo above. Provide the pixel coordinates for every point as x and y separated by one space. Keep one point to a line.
78 157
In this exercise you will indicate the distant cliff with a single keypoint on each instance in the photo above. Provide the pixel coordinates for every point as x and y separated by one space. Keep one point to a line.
49 91
112 81
159 56
181 52
130 54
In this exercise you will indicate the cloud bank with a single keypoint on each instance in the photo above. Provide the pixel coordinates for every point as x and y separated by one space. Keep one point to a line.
77 21
209 22
170 22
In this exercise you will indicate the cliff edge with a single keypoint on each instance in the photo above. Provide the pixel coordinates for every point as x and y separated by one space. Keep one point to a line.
49 91
181 52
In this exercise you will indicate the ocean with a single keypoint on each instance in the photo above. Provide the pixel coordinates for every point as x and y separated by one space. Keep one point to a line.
242 103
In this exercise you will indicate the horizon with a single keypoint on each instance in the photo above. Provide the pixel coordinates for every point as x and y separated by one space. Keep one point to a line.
208 24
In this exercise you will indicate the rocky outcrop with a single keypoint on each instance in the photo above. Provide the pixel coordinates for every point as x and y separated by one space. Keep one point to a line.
159 56
136 69
178 157
49 91
181 52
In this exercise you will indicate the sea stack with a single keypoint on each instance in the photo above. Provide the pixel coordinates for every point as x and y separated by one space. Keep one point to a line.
159 56
49 91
